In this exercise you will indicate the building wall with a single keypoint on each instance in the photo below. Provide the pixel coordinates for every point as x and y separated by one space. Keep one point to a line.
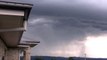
12 54
27 53
2 49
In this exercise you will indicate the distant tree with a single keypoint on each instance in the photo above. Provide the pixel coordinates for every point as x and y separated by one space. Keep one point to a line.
70 58
39 58
53 58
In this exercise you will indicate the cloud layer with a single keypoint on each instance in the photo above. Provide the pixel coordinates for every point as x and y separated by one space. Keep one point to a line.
62 26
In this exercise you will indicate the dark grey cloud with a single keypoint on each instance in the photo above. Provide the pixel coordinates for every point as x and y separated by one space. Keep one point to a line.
81 10
57 26
58 33
72 9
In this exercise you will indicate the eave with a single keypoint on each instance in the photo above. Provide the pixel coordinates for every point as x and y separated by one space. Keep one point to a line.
13 21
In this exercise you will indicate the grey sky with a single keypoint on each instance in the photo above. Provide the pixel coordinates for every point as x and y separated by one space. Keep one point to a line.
63 25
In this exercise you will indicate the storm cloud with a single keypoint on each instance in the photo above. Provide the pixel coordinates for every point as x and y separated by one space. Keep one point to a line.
62 26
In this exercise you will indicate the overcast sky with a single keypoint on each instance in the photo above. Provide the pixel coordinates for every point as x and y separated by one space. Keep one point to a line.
63 27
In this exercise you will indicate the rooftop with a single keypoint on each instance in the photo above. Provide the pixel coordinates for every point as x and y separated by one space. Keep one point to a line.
15 4
13 21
